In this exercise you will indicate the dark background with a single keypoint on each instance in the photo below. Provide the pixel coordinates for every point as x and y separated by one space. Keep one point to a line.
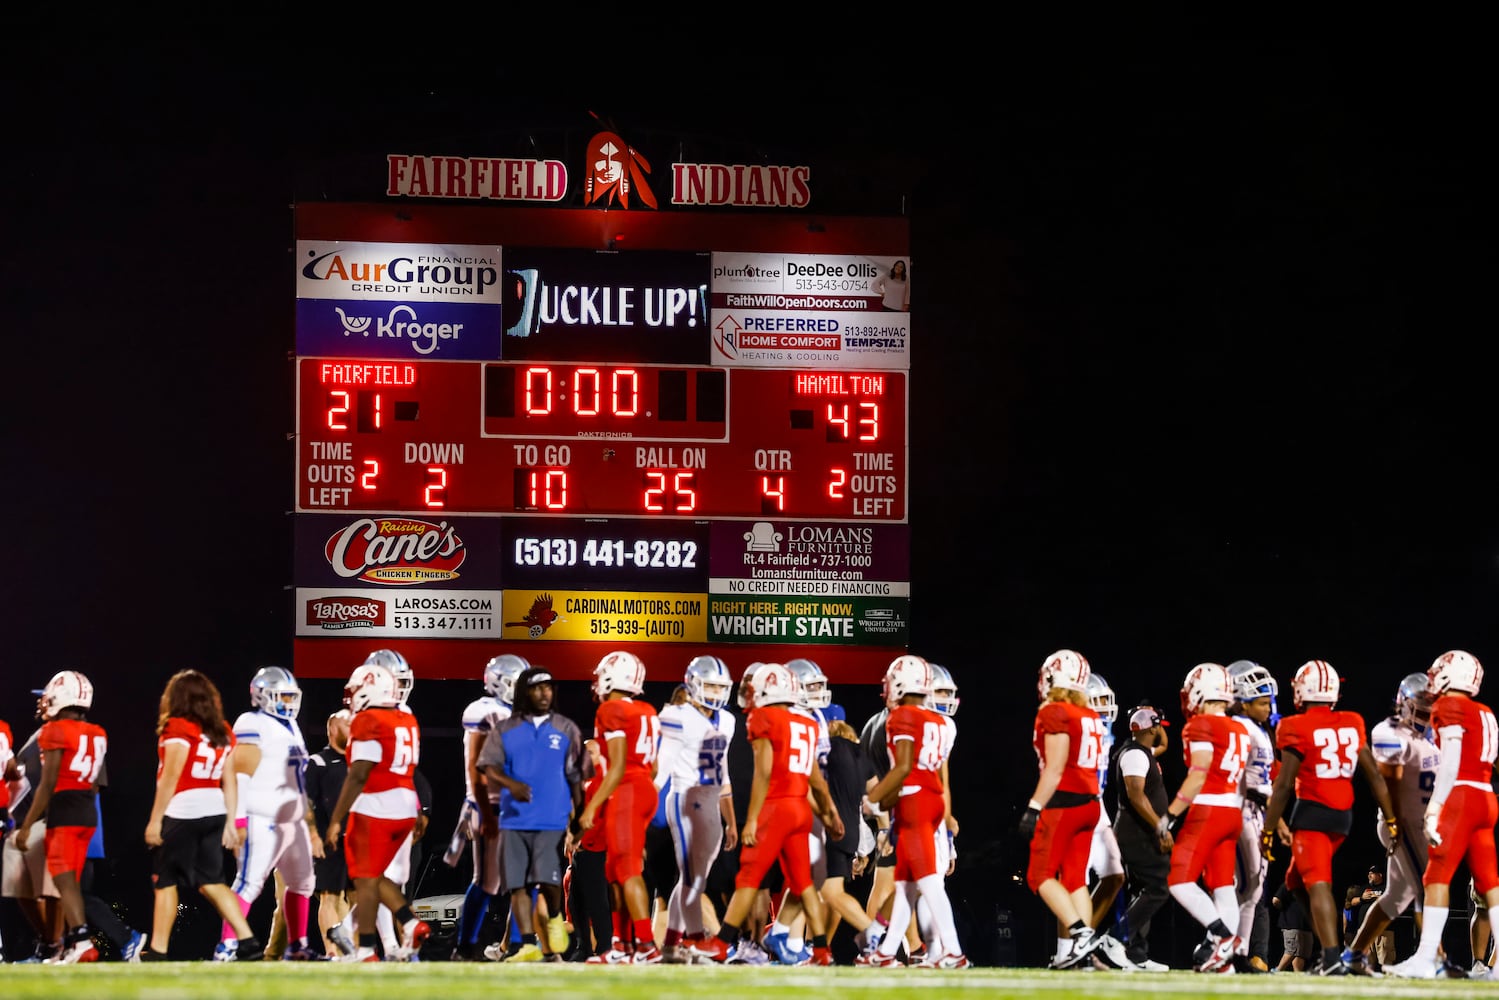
1200 368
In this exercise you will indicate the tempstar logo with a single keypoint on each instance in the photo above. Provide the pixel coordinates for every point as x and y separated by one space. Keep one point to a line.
396 551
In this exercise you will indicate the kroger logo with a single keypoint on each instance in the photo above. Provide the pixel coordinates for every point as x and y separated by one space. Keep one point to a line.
401 324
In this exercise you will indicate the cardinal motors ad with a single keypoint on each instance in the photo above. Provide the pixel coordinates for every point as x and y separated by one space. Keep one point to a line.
397 576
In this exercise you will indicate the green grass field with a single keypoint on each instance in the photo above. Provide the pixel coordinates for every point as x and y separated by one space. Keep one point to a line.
448 981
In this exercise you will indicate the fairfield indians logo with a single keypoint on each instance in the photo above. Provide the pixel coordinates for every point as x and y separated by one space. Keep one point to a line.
395 551
614 167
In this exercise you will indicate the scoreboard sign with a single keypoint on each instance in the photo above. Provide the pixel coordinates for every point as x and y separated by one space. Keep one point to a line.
504 445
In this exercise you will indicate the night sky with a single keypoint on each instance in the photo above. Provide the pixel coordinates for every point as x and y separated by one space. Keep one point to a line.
1199 372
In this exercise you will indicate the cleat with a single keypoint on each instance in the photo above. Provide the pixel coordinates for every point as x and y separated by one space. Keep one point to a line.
775 945
1083 945
417 933
133 948
1244 965
818 956
875 960
341 940
646 954
614 956
1112 955
226 951
79 951
557 936
749 953
1413 968
1215 954
527 953
713 949
301 953
149 954
951 961
250 950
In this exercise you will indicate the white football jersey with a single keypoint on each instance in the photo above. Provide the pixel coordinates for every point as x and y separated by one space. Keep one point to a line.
481 716
1392 743
693 747
1261 762
275 790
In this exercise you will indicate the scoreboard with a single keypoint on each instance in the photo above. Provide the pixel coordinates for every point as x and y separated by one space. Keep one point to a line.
514 436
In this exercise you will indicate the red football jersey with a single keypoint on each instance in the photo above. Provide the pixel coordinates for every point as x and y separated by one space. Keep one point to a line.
205 762
1328 741
7 751
1230 747
83 745
924 728
393 740
793 741
1085 731
637 724
1480 736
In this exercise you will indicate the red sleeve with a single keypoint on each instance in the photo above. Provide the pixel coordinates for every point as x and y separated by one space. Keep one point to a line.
364 726
1051 719
54 736
902 722
178 728
758 727
1288 736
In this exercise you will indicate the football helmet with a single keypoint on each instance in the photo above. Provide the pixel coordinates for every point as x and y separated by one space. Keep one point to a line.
943 697
1205 682
907 674
772 684
399 669
745 697
1455 670
1413 701
500 674
621 670
708 682
371 686
1252 681
66 689
1065 669
1315 682
814 683
269 689
1101 698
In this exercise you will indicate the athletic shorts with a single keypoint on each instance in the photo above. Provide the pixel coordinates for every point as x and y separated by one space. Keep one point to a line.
191 854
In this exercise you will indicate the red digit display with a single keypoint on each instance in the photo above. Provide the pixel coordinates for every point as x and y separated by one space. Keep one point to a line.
471 437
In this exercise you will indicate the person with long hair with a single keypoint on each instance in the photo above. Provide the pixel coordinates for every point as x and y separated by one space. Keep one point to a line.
192 816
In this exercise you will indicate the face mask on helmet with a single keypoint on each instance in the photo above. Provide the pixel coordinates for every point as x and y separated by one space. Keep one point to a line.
500 674
275 691
746 696
66 689
1205 682
1101 698
708 682
943 698
1252 682
906 675
814 683
399 669
773 684
371 686
1413 702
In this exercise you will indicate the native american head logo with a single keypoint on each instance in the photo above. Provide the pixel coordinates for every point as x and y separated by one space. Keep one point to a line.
614 167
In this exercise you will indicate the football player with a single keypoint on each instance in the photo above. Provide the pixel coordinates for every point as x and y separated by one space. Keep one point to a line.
1335 741
692 766
270 762
1104 860
1460 817
478 820
779 816
1408 760
913 792
1058 821
629 732
73 751
1216 748
379 799
1254 691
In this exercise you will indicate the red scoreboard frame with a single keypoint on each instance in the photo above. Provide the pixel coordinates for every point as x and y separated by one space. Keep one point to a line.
596 438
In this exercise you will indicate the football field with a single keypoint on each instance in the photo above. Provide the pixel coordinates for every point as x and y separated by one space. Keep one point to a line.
448 981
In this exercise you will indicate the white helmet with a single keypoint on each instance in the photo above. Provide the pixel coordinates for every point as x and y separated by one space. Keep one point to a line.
814 683
500 674
371 686
771 684
619 671
1315 682
269 689
943 697
66 689
907 674
708 682
745 697
1455 670
1101 698
1413 701
399 669
1205 682
1065 669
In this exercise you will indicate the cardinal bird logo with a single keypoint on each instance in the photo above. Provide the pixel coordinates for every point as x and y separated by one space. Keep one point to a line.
540 618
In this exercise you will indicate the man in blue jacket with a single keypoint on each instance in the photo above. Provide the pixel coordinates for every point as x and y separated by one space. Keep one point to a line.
537 760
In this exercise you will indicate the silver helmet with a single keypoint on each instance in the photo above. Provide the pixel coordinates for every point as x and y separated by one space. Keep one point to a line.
1101 698
1413 701
708 682
500 674
943 698
275 691
398 667
815 692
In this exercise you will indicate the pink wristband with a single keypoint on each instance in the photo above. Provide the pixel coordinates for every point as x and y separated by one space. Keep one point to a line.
241 822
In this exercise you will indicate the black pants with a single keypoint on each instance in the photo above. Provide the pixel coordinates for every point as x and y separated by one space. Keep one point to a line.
588 901
101 916
1146 871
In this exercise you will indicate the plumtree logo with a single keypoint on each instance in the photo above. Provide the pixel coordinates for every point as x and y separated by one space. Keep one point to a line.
395 551
614 167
